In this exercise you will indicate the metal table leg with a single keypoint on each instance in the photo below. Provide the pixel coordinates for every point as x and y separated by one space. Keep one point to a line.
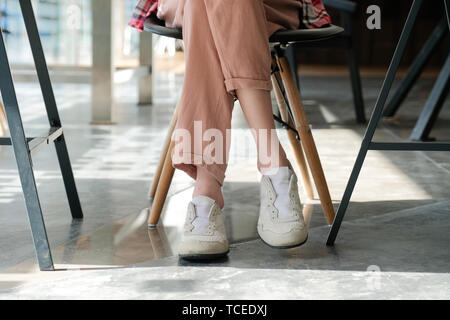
24 146
24 164
50 105
375 118
416 68
447 9
433 105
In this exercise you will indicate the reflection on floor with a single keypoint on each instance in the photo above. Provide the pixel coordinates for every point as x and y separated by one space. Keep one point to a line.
396 227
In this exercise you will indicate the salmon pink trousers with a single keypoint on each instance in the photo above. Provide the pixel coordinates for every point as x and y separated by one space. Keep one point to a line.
226 48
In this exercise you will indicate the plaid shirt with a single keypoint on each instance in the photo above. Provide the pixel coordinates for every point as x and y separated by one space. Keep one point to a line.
313 14
143 10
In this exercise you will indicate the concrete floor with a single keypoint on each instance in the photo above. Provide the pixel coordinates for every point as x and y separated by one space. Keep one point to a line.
393 243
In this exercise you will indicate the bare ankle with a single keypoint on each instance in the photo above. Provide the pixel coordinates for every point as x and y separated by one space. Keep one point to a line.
278 164
216 195
207 185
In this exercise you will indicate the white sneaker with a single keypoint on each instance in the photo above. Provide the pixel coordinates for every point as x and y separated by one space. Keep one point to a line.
281 233
209 244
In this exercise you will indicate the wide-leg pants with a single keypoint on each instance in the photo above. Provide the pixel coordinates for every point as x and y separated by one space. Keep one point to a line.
226 48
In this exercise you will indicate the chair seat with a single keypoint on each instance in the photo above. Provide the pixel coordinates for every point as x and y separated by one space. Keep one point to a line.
156 26
306 35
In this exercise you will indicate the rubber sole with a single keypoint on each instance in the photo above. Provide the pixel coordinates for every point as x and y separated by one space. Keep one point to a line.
201 257
284 247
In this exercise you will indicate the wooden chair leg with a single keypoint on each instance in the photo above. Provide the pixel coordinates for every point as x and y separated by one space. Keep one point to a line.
295 144
307 139
162 189
3 120
164 154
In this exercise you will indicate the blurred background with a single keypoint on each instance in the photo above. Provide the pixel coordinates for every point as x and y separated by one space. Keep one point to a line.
375 47
66 32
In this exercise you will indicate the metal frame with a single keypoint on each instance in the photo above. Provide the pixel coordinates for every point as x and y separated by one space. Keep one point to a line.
447 9
24 147
440 90
277 118
416 68
433 105
367 143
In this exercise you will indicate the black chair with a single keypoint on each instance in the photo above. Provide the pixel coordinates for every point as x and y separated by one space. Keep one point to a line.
292 117
343 41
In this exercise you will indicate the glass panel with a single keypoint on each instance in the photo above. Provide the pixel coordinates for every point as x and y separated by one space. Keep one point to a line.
128 45
65 27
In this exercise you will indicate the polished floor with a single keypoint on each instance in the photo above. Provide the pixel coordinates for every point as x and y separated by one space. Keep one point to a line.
393 243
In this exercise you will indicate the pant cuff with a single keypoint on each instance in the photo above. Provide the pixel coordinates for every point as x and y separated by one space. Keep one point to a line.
191 167
243 83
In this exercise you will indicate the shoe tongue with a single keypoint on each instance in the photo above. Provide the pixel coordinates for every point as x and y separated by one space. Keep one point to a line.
203 201
203 207
279 174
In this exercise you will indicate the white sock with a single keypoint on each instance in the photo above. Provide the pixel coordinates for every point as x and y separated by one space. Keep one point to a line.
281 178
203 206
